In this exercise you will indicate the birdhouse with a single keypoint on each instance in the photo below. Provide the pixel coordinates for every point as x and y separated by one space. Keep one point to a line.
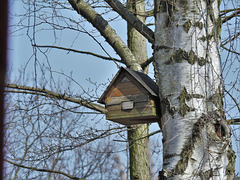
131 98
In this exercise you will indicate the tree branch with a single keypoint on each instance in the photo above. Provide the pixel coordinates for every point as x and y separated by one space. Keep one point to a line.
147 62
234 37
82 52
105 134
234 121
47 93
107 32
132 19
235 101
151 134
150 13
43 170
227 18
230 50
225 11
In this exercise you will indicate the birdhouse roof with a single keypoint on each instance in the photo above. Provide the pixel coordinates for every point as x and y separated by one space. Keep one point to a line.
144 80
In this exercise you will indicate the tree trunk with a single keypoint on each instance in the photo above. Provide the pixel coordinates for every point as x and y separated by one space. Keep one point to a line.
196 136
138 146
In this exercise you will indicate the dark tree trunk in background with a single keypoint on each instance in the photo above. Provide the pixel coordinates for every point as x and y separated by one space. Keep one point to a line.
3 60
138 146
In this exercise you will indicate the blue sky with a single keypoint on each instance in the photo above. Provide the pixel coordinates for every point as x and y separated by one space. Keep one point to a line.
80 66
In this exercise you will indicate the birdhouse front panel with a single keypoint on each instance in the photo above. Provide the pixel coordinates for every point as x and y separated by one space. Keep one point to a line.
128 102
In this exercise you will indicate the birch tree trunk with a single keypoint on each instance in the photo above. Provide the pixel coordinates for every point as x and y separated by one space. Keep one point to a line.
137 134
196 136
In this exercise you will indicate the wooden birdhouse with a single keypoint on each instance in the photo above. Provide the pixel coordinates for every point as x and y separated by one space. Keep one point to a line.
131 98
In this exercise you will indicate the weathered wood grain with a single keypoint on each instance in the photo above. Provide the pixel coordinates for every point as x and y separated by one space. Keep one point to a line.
120 99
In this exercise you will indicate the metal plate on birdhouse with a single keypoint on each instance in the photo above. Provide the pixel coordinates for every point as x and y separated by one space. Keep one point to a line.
127 105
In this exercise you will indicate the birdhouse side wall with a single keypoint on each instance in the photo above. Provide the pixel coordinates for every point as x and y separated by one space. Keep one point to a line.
141 110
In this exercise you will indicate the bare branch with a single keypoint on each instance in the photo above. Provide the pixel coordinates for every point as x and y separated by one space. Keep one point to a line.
234 121
235 101
106 31
234 37
235 52
227 18
150 134
82 52
132 19
225 11
43 170
105 134
147 62
47 93
150 13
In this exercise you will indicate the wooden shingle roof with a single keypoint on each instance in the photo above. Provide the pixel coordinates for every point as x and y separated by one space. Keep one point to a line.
144 80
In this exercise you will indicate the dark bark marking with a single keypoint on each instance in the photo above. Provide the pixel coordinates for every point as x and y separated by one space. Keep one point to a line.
217 99
218 123
179 55
206 38
187 25
230 170
199 25
206 175
165 106
159 47
211 119
188 148
183 97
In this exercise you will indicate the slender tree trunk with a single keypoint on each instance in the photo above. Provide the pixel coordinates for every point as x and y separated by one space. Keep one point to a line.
138 146
3 68
196 137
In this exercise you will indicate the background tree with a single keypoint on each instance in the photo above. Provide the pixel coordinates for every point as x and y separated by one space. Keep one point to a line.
138 146
3 64
50 122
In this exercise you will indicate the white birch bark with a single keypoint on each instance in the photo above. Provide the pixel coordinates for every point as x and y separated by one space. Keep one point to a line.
196 137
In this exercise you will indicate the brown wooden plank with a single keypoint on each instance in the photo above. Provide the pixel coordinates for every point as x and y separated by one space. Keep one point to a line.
128 88
136 83
136 121
112 85
116 93
126 85
125 79
123 88
141 112
109 93
129 117
137 106
118 100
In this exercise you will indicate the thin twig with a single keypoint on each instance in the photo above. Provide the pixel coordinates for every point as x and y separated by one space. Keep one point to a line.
43 170
82 52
